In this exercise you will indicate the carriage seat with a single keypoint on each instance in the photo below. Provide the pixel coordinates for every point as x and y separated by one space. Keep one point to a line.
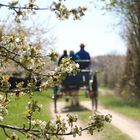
79 80
83 64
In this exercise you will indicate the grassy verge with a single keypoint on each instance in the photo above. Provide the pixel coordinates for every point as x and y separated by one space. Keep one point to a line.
17 108
109 132
127 107
112 133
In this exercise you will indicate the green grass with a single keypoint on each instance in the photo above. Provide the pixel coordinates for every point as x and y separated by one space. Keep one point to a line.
127 107
109 132
17 109
112 133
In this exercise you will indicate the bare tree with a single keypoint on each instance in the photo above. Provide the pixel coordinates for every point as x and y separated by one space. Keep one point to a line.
129 13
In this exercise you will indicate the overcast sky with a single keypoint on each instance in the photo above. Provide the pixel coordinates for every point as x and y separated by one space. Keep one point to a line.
95 30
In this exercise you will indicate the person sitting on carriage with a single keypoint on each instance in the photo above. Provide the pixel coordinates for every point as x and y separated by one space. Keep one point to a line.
83 55
63 56
73 56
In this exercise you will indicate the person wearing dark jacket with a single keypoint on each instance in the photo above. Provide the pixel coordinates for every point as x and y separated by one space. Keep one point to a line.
63 56
82 54
73 56
84 57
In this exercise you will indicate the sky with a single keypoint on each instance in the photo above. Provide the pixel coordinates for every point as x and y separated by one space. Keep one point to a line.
95 30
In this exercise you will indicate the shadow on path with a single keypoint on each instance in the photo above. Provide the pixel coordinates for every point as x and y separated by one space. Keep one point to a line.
72 109
63 110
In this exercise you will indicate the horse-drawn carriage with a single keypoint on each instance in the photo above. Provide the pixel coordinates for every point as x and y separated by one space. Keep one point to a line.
85 79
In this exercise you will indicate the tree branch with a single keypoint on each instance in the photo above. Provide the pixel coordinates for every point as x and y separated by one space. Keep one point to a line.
6 133
33 131
24 7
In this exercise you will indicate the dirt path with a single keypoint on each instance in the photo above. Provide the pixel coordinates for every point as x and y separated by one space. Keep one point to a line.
60 108
126 125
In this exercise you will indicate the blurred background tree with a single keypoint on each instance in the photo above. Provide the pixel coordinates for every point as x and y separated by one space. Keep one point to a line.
129 15
111 68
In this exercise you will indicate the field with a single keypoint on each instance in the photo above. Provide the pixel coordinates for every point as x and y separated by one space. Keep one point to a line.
17 111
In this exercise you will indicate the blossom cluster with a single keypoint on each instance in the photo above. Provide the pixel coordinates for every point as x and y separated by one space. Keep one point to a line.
3 107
